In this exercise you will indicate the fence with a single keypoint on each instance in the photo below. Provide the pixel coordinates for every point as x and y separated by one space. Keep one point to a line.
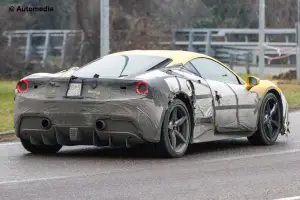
47 36
228 45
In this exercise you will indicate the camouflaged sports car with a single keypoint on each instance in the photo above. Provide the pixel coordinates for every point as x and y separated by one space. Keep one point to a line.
168 99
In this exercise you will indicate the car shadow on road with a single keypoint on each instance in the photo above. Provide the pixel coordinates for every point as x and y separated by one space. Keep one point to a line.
144 152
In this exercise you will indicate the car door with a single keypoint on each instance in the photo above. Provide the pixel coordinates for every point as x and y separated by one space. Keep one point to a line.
247 107
233 103
203 104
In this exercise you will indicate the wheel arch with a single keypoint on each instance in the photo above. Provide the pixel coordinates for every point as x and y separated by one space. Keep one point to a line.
278 96
189 104
266 87
256 138
186 94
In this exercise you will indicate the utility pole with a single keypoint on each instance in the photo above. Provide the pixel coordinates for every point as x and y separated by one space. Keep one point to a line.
104 27
298 42
262 38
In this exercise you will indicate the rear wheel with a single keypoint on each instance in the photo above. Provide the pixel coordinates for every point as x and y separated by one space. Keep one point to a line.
40 149
176 130
269 122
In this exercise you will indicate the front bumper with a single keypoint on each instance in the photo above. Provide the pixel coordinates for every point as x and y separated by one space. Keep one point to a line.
127 122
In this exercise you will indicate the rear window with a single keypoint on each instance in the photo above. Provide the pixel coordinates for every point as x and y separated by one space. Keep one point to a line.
113 66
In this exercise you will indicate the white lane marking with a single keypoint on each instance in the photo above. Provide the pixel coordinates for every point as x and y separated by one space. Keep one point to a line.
138 169
33 180
290 198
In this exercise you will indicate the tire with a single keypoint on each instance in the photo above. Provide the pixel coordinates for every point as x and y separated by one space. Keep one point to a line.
40 149
269 122
176 131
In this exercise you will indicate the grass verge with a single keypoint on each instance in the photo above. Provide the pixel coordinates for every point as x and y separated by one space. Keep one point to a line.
244 76
291 90
8 138
292 93
7 90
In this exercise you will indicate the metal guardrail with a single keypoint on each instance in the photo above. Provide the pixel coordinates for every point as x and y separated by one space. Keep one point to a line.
225 44
44 49
240 39
233 55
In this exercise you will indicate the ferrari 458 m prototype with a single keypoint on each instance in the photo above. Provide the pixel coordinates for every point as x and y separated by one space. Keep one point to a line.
167 99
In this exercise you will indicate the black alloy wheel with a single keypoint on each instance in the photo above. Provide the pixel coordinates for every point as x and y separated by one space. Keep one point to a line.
176 130
269 124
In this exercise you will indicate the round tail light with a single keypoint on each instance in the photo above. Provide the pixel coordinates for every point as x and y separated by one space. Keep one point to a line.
142 88
22 86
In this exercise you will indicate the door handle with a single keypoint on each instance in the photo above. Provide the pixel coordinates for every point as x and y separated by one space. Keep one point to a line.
218 97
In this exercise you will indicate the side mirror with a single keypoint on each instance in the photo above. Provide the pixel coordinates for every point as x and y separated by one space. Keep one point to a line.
251 82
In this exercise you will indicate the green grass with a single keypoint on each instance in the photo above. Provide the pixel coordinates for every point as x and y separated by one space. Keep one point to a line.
292 93
7 89
54 59
244 76
291 89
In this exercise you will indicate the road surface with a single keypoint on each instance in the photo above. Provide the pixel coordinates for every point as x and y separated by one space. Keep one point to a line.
223 170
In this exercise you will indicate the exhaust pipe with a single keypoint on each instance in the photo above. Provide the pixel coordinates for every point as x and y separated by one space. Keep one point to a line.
100 125
45 123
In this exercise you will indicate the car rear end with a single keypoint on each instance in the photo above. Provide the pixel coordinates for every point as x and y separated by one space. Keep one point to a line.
88 111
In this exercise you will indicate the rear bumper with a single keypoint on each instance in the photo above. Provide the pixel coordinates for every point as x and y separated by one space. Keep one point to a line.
84 136
128 122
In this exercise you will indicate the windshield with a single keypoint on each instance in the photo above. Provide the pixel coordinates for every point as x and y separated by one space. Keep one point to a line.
113 66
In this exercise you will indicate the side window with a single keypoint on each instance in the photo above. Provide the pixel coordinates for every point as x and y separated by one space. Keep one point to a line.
212 70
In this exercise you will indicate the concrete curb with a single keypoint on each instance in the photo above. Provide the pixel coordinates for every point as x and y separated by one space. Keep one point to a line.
291 110
7 133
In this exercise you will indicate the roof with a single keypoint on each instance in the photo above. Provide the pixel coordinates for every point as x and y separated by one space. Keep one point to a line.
177 56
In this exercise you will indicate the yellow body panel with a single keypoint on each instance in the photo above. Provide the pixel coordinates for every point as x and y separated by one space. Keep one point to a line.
264 86
182 57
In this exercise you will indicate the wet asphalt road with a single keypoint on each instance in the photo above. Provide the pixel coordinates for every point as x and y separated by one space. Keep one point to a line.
221 170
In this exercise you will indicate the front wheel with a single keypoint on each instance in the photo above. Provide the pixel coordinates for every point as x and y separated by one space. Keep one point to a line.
40 149
176 130
269 123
